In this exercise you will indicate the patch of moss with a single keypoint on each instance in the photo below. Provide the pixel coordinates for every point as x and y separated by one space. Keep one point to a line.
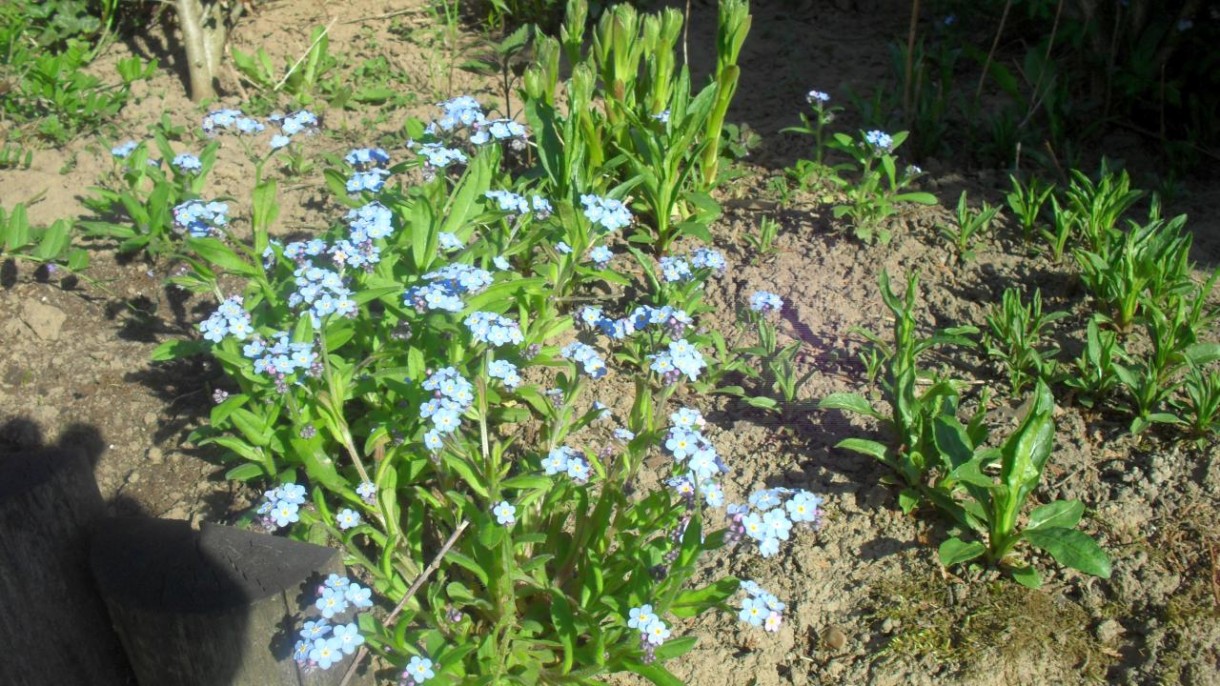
964 626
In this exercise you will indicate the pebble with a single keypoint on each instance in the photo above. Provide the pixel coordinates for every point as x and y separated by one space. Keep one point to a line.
155 456
44 320
133 477
1109 631
835 639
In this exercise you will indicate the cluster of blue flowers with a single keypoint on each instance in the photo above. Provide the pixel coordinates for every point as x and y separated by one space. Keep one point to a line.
674 268
282 358
124 150
452 395
505 371
608 213
488 130
653 631
201 219
225 119
493 329
586 356
565 460
322 292
681 358
230 319
691 449
446 287
281 505
673 320
323 643
768 519
816 96
761 608
290 125
372 180
766 302
880 141
459 112
513 203
187 163
364 158
437 155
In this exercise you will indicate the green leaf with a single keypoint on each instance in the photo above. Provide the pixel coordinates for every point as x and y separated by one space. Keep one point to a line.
1027 577
655 673
218 254
676 647
691 603
1071 548
955 551
245 472
851 402
908 500
177 350
1063 514
464 561
865 446
565 625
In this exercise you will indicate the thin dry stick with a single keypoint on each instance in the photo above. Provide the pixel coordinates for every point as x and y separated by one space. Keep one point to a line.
1046 60
419 581
293 68
907 93
995 43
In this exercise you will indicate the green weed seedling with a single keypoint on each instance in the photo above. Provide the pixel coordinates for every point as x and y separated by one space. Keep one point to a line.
1064 223
50 246
911 452
13 156
774 367
1145 264
1014 338
1172 330
763 243
1200 408
992 504
873 197
1094 376
823 115
969 225
1099 206
300 80
1026 202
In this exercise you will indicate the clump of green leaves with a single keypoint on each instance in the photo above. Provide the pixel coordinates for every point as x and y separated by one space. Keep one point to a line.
1014 337
916 397
873 196
969 225
41 245
992 505
1026 202
300 80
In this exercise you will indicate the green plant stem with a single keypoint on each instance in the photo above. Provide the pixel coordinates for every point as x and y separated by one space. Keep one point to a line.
419 581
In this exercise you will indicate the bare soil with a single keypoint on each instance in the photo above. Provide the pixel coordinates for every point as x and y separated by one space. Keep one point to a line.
869 604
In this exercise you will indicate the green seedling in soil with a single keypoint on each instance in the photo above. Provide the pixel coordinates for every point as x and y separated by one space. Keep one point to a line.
1099 206
994 503
49 246
300 80
1200 408
732 26
13 156
737 141
1014 337
1145 264
911 452
823 115
1026 202
969 225
1172 330
763 242
768 364
1094 375
1064 223
879 188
